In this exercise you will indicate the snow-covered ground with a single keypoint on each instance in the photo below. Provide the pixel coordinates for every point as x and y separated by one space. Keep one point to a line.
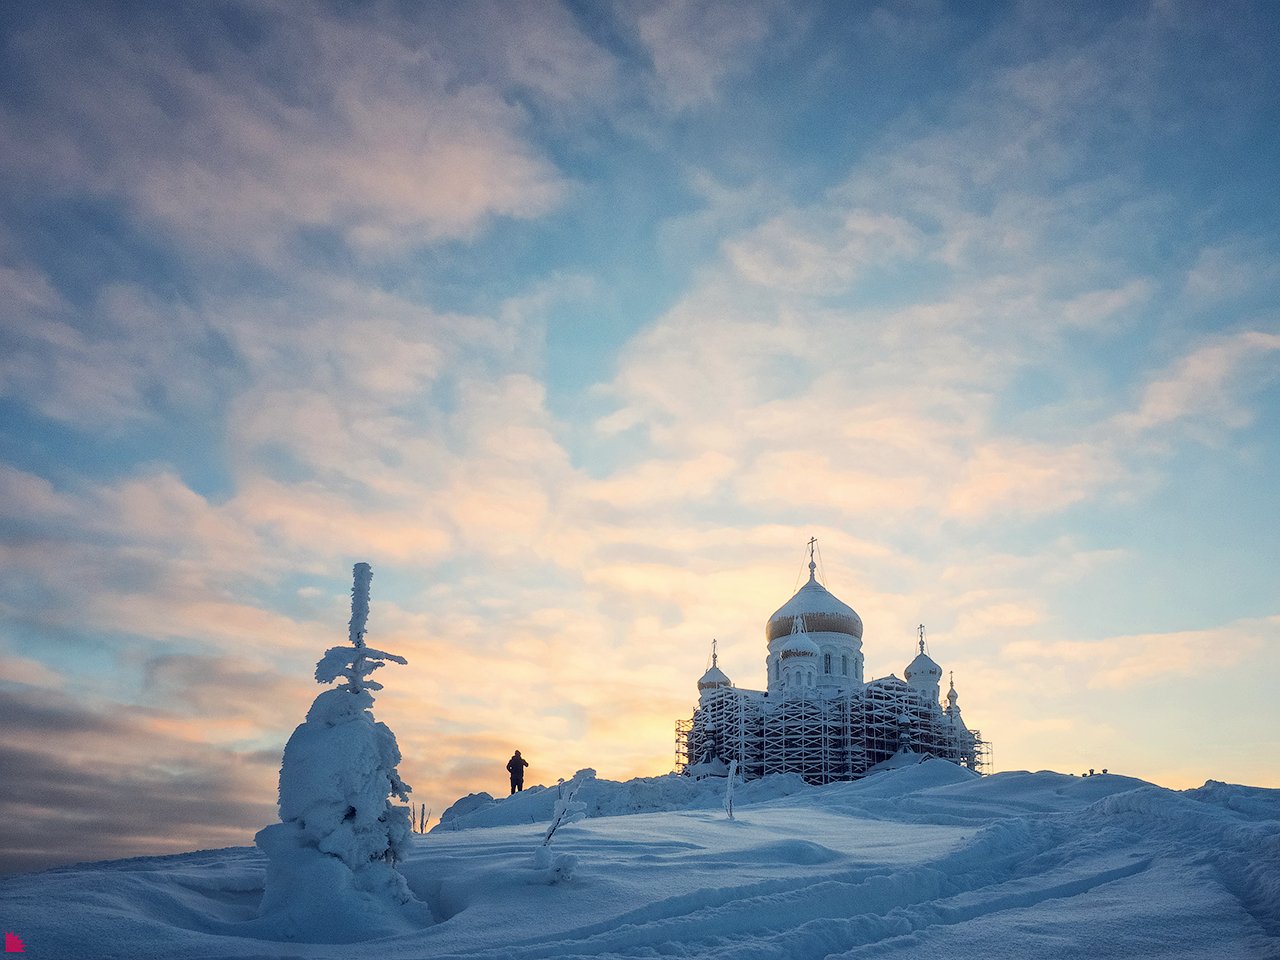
924 861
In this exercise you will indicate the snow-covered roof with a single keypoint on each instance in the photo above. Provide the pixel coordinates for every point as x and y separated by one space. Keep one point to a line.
715 677
906 757
923 665
715 767
799 645
823 612
890 682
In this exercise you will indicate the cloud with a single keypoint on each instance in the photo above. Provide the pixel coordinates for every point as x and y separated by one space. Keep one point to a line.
846 484
1061 561
657 481
789 254
242 685
1094 307
19 669
363 125
29 291
860 411
91 783
1206 387
1008 476
1228 271
113 363
1128 662
986 613
695 48
880 400
1003 236
142 558
539 48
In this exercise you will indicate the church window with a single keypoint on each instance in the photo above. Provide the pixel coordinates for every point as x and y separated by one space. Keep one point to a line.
844 666
826 663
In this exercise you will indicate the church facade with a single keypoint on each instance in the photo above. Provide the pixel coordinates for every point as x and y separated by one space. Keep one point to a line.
817 716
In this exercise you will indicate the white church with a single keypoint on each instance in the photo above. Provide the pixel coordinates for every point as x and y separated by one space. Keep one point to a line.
818 717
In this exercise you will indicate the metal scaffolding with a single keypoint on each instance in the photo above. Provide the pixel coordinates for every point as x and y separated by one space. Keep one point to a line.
728 727
822 738
797 739
684 729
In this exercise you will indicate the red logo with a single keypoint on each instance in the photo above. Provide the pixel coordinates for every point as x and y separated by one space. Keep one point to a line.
12 944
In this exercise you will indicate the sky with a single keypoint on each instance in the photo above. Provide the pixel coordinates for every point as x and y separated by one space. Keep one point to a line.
577 321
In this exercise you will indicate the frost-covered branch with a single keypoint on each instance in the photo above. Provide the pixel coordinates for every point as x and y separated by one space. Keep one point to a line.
728 790
566 811
356 662
557 867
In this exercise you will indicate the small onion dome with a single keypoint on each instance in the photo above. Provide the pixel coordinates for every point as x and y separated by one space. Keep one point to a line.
799 645
713 679
822 613
923 667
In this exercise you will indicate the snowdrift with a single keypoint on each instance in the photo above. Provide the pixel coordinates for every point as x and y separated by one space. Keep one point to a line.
923 861
608 798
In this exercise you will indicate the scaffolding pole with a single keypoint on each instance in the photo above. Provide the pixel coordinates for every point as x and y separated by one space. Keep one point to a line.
823 739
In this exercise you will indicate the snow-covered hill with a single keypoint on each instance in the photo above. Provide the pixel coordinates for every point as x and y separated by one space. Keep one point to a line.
926 861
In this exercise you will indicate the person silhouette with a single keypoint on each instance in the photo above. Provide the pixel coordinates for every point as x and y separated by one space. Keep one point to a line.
515 767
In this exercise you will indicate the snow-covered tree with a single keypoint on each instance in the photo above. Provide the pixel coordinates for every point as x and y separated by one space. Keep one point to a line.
331 875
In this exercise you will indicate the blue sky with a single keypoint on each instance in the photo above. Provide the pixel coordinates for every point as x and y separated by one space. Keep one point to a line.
577 321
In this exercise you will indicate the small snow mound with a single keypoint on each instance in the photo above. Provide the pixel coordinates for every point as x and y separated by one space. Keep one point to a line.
551 867
467 805
911 778
796 852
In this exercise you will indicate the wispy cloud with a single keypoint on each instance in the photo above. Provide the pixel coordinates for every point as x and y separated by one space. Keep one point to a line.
110 364
1209 387
308 122
789 254
696 48
1122 663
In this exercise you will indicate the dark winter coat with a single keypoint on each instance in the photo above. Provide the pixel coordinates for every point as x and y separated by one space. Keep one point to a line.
515 767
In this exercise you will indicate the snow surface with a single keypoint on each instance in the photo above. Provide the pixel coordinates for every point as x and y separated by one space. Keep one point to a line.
921 861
